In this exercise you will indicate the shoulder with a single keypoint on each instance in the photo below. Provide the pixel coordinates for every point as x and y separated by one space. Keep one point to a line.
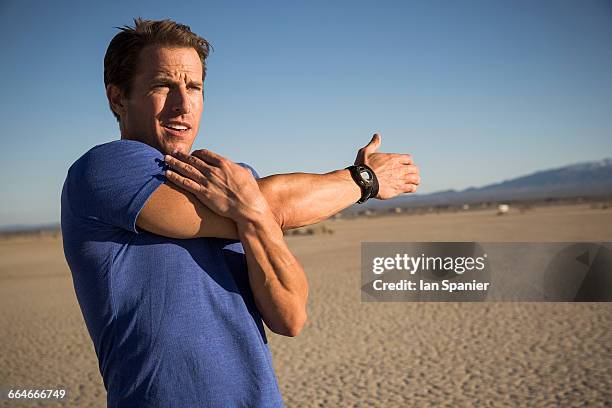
116 151
116 169
251 169
112 181
117 157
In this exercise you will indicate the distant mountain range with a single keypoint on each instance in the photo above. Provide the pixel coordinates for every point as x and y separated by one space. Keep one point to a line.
589 179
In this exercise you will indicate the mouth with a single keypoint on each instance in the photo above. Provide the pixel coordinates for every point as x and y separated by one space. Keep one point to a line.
176 128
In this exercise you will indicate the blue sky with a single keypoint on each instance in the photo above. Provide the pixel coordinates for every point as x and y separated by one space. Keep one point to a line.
477 91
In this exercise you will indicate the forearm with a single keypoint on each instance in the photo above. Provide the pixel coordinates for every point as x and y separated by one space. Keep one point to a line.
277 279
299 199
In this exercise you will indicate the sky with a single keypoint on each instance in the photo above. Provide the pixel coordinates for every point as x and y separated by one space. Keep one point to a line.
477 91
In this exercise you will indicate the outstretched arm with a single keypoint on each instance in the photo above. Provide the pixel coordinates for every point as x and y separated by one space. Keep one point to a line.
295 199
300 199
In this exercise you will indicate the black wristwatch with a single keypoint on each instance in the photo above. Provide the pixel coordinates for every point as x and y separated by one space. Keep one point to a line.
366 180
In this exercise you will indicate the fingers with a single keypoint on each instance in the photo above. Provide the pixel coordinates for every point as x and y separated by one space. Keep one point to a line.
184 182
411 169
410 188
405 159
209 157
182 161
413 175
411 179
186 169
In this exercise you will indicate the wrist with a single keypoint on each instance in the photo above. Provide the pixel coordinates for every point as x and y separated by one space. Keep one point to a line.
256 221
365 178
252 210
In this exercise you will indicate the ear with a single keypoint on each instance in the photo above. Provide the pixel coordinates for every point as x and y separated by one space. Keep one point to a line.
115 99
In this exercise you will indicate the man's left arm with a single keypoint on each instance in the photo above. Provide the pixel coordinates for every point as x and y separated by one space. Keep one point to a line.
299 199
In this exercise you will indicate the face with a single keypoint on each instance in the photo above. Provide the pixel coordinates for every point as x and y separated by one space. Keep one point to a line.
165 103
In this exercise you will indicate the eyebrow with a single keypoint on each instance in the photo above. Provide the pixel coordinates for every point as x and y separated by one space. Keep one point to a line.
161 77
166 78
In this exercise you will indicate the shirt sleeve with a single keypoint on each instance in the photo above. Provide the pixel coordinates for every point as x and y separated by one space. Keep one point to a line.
112 182
252 170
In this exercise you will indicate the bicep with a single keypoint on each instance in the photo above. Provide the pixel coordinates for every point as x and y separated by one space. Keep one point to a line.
175 213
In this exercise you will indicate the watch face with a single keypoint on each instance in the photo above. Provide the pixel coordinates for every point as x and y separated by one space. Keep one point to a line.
365 175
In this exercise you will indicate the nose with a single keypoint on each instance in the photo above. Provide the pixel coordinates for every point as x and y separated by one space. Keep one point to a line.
180 102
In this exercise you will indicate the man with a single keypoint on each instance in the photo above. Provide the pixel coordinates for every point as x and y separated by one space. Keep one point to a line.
176 258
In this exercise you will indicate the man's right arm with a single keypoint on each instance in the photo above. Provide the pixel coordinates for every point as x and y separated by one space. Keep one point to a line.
277 279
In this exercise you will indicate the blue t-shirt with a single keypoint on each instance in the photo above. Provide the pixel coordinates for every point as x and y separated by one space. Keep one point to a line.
173 322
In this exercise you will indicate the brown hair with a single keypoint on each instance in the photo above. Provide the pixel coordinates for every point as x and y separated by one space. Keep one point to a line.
121 59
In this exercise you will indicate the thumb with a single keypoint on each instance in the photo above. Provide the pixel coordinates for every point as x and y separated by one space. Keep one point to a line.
373 145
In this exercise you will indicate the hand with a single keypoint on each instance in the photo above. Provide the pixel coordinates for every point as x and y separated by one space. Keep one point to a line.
225 187
396 173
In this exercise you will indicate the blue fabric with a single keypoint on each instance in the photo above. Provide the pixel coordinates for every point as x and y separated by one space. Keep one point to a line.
173 322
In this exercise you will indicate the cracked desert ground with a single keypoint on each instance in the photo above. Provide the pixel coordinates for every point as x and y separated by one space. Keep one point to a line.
354 354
